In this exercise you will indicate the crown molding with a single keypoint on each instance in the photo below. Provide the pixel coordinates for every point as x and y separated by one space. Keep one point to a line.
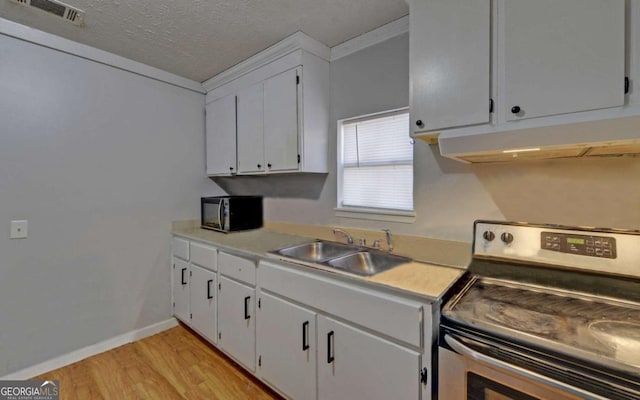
40 38
297 41
378 35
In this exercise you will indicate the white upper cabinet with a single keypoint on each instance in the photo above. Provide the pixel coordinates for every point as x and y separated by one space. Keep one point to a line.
250 129
532 63
281 121
282 109
561 56
268 125
450 63
221 136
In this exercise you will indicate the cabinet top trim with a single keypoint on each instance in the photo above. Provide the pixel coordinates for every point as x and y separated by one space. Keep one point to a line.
297 41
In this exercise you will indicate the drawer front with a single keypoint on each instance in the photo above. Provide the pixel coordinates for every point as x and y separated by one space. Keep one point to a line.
390 315
238 268
204 256
180 248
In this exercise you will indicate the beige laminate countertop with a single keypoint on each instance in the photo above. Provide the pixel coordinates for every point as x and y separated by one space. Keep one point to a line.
417 278
252 243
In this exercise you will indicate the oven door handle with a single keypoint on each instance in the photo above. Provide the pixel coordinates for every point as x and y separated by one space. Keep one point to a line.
477 356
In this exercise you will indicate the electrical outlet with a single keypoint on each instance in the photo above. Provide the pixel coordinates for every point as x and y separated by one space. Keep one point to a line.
19 229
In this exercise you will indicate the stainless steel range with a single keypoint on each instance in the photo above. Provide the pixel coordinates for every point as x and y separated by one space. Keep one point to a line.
544 312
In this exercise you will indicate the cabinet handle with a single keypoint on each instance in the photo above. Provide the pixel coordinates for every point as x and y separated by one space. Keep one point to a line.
269 165
209 296
419 123
515 109
305 336
246 307
259 166
182 276
230 168
330 357
626 84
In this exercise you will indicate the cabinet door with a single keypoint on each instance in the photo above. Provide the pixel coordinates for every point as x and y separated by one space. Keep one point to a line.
353 364
281 121
236 321
449 65
250 129
202 294
221 136
181 289
562 56
286 347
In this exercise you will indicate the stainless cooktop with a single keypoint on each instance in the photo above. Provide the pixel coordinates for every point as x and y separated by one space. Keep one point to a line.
556 288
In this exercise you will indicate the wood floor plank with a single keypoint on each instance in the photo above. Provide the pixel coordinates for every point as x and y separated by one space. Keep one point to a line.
173 365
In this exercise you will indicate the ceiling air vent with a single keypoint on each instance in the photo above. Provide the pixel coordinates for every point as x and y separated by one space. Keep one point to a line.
57 8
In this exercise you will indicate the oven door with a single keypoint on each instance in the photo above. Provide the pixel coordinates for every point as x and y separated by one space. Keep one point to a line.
465 373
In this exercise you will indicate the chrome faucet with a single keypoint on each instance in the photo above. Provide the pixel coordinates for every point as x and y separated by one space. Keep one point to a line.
337 231
387 231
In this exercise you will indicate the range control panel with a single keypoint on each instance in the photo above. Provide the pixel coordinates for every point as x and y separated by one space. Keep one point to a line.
584 245
611 251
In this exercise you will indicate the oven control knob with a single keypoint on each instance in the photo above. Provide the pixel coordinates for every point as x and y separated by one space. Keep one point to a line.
488 236
506 237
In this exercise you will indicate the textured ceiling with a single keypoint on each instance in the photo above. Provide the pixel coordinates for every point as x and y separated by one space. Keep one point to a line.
198 39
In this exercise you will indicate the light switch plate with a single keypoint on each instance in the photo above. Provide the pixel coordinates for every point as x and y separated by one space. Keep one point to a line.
19 229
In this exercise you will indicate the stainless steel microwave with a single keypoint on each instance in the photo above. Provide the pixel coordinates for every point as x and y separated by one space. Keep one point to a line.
231 213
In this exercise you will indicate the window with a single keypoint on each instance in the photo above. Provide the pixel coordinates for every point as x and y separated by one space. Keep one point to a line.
375 166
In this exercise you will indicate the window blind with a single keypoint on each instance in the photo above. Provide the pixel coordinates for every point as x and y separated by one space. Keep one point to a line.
377 163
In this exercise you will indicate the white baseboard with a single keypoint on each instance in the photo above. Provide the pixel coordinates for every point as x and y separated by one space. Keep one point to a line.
92 350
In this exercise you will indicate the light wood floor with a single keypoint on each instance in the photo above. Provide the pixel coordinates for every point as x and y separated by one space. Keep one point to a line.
175 364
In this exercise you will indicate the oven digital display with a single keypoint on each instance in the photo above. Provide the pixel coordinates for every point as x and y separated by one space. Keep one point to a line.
583 245
573 240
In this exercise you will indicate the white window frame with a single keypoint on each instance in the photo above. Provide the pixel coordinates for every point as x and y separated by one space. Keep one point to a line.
376 214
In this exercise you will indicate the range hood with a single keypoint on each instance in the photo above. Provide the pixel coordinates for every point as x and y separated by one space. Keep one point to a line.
610 137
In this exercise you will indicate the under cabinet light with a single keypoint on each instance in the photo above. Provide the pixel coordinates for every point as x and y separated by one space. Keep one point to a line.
521 150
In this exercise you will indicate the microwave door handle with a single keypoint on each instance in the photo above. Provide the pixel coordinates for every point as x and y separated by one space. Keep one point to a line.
477 356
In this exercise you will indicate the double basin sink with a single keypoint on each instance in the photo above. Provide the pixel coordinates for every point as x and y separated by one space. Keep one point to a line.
348 258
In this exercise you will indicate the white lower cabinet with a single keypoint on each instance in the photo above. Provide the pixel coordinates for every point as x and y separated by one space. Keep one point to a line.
286 347
194 281
202 293
309 336
354 364
236 321
180 288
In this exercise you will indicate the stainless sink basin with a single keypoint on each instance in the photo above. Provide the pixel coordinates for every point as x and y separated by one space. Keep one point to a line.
366 263
347 258
317 252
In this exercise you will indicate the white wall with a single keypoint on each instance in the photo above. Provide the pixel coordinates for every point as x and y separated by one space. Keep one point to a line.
449 195
100 161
